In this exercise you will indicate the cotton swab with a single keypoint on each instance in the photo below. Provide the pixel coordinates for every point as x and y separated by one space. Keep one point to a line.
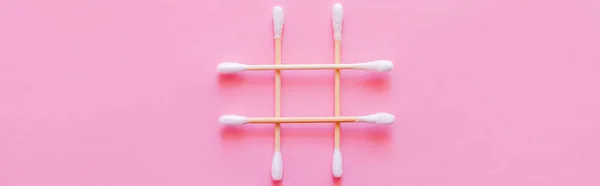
277 161
337 19
378 65
381 118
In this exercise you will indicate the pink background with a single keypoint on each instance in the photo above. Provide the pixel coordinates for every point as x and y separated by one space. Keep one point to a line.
114 92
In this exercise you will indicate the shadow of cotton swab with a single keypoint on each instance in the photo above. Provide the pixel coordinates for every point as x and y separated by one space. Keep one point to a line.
233 80
374 82
376 134
369 81
237 133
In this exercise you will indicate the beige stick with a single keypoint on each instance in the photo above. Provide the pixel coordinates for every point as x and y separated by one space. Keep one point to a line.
277 94
301 119
301 67
337 95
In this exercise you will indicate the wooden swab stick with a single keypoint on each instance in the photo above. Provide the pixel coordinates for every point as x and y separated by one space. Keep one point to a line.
377 118
378 65
337 19
277 162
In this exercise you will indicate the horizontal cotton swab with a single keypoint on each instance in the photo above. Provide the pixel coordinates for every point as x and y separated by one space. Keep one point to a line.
379 66
377 118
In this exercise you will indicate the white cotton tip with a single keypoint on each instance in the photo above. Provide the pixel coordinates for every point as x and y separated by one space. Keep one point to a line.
277 21
336 166
379 65
229 68
337 17
233 120
378 118
277 167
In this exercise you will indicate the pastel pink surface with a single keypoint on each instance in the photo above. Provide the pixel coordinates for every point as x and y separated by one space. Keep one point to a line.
109 92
